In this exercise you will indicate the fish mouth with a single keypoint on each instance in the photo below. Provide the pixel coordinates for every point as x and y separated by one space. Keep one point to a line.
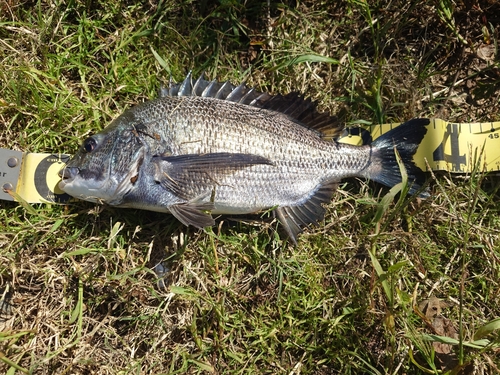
68 172
67 175
73 182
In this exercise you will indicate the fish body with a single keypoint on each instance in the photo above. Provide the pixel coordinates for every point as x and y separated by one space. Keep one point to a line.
206 148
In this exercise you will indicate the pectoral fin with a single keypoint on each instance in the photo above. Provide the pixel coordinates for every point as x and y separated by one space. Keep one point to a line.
186 175
193 214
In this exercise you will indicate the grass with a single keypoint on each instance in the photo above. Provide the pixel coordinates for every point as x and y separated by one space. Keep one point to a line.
79 292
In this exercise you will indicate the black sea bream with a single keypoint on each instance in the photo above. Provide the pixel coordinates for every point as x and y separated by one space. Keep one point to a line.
206 148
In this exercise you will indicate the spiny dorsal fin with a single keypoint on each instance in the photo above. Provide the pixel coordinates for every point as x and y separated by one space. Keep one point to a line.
303 111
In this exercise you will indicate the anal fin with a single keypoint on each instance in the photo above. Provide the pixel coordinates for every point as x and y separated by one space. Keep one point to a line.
295 218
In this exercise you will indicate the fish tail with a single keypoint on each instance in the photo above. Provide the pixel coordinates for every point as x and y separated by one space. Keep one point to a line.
405 139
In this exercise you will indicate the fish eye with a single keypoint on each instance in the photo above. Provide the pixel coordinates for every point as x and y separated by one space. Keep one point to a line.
89 144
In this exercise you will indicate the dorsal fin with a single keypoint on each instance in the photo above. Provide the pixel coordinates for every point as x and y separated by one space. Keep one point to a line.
303 111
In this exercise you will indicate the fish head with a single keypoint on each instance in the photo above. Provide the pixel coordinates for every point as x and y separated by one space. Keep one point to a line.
107 164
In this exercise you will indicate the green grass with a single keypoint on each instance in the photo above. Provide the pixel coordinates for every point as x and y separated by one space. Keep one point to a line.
83 297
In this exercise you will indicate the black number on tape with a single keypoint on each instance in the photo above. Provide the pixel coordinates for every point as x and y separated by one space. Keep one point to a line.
452 133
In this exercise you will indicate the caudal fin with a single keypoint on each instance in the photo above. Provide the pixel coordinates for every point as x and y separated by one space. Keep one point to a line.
405 138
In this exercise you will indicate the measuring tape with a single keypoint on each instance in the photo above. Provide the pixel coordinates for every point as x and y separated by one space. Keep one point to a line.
447 146
32 177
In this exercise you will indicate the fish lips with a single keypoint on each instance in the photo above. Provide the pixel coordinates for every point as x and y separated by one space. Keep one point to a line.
68 174
68 178
81 183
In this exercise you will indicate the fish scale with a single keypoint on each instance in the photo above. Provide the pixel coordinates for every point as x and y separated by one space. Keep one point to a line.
207 148
242 130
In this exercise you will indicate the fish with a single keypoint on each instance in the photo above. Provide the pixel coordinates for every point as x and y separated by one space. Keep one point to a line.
205 148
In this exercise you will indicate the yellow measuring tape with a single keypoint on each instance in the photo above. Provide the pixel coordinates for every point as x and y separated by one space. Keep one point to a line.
447 146
32 177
